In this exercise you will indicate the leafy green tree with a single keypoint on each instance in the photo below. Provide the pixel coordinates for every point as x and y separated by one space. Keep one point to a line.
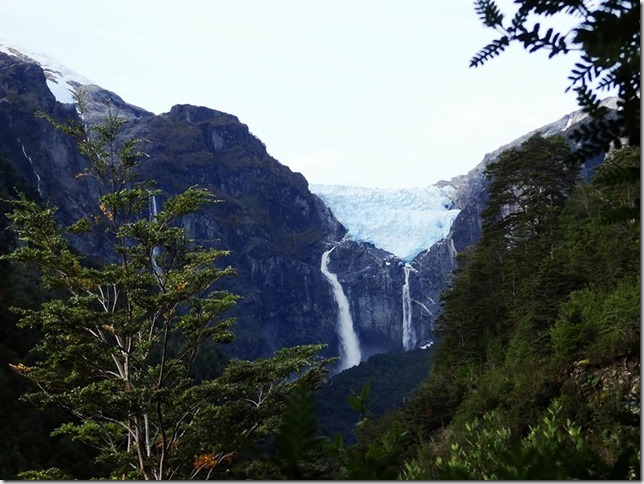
553 449
544 308
528 187
601 228
608 38
496 285
121 339
602 247
373 456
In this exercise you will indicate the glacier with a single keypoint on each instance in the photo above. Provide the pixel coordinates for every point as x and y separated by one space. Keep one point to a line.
402 221
61 80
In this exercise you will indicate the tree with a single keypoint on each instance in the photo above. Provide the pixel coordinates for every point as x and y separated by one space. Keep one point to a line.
121 339
608 38
528 187
544 308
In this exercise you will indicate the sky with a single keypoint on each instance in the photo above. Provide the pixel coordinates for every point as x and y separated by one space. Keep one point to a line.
374 93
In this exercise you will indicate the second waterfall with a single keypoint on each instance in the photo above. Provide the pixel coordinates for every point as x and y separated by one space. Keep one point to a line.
349 345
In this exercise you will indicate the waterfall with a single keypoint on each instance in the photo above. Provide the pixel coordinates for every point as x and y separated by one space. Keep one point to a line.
452 250
408 333
156 251
349 344
153 208
33 168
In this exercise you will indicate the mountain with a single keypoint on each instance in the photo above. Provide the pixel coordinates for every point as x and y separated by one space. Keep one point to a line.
426 228
276 229
310 268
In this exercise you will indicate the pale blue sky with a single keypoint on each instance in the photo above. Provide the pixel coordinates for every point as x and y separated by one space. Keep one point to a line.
358 92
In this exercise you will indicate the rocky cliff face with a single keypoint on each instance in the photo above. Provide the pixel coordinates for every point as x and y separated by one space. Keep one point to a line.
372 280
275 228
434 267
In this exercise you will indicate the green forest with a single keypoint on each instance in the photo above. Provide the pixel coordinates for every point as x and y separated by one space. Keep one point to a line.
113 369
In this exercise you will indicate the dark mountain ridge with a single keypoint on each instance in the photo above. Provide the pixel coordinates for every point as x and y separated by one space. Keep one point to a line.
275 228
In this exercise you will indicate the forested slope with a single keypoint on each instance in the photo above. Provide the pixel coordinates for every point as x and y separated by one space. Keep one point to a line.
539 330
536 374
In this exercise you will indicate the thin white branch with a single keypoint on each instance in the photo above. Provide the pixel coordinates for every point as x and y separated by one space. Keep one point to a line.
119 367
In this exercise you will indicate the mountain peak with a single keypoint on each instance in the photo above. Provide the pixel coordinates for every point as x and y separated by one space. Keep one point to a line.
61 80
197 114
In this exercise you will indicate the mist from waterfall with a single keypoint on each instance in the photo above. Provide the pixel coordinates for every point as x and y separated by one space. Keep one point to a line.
408 333
349 345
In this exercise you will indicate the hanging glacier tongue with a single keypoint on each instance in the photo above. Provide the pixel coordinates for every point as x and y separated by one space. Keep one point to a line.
403 221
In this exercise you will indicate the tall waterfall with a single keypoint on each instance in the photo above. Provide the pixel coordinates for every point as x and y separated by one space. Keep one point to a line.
156 251
349 344
408 333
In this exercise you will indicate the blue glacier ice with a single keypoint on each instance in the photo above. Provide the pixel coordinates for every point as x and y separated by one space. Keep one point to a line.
403 221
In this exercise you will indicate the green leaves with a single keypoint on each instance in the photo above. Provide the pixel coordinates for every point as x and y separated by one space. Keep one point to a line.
297 437
189 201
529 186
50 474
359 402
121 338
543 309
599 326
554 449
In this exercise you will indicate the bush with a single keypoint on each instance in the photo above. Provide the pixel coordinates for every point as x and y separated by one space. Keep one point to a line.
554 449
577 325
602 327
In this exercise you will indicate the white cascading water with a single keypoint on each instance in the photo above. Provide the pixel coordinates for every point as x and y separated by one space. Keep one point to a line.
408 333
153 208
33 168
349 344
157 250
452 250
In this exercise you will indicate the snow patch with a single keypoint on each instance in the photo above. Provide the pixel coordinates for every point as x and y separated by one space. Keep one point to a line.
61 80
402 221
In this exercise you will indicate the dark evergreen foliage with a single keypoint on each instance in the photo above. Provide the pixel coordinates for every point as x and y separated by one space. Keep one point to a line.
120 340
391 376
608 37
540 332
26 442
537 375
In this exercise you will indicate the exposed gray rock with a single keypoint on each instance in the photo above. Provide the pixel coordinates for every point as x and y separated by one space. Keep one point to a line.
275 228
